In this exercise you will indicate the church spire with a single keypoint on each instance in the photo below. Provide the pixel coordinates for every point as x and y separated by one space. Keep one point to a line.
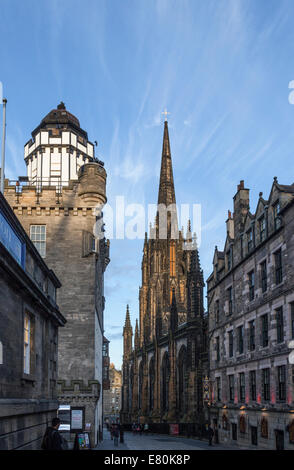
127 334
166 193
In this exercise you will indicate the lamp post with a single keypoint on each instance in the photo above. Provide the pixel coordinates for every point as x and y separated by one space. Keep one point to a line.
3 146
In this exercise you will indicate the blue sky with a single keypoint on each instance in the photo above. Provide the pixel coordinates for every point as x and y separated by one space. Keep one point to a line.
221 67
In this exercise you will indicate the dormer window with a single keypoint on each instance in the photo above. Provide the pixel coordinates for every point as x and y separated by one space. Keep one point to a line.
262 229
250 240
276 211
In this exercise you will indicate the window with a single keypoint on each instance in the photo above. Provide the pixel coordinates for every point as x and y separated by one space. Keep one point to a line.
28 337
264 331
218 389
230 299
276 211
217 349
250 240
240 340
231 344
280 325
38 237
242 386
282 382
251 335
252 384
231 387
251 285
217 311
263 270
278 266
172 260
266 384
262 229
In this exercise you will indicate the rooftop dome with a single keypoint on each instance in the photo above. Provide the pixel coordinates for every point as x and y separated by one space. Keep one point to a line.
60 116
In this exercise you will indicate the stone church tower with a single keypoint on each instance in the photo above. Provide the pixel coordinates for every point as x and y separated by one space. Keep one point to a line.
162 373
56 204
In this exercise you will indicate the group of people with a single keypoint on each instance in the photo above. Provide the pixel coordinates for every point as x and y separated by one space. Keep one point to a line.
116 431
139 428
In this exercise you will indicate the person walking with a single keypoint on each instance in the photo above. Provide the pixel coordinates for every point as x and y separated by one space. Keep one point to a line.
210 435
52 439
146 428
115 435
121 434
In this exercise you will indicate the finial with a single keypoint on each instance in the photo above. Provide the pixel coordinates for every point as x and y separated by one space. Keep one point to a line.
165 115
61 105
260 194
275 179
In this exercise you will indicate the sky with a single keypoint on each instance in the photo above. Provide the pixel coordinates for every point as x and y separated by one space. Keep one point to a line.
222 68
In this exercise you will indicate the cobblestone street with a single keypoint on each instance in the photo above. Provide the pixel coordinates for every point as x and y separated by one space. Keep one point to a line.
157 442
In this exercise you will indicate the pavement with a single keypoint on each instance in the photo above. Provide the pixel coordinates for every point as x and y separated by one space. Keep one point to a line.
157 442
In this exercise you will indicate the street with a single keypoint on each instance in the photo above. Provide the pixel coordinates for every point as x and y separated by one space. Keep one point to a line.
157 442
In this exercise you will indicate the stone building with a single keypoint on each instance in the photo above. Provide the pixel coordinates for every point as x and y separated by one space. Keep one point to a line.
58 203
163 369
29 322
112 396
251 323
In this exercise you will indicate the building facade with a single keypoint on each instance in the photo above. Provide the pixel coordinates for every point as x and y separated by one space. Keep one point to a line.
251 323
29 323
112 396
59 203
164 368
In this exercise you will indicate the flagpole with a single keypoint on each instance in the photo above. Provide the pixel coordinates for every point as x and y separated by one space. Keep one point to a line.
3 146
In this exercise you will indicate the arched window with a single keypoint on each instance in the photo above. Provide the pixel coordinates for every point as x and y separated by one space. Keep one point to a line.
182 360
165 375
131 381
140 385
151 384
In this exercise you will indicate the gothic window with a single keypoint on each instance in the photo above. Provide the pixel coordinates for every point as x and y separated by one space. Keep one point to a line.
131 382
182 380
165 375
151 384
172 259
140 385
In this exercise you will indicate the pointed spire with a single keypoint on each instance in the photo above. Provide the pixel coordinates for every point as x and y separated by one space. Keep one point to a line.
136 335
166 193
128 320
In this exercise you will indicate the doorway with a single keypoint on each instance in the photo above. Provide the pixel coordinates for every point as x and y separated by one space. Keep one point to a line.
279 439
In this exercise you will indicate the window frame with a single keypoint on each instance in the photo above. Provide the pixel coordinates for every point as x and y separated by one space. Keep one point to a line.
39 241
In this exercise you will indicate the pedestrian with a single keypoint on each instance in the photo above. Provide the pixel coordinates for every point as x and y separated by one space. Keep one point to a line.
141 429
121 435
111 430
146 428
115 435
210 435
52 439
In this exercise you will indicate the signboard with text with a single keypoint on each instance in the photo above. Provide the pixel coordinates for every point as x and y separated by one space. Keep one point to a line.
77 419
11 241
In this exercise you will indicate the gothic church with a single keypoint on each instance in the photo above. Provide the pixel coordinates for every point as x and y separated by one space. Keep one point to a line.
163 371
